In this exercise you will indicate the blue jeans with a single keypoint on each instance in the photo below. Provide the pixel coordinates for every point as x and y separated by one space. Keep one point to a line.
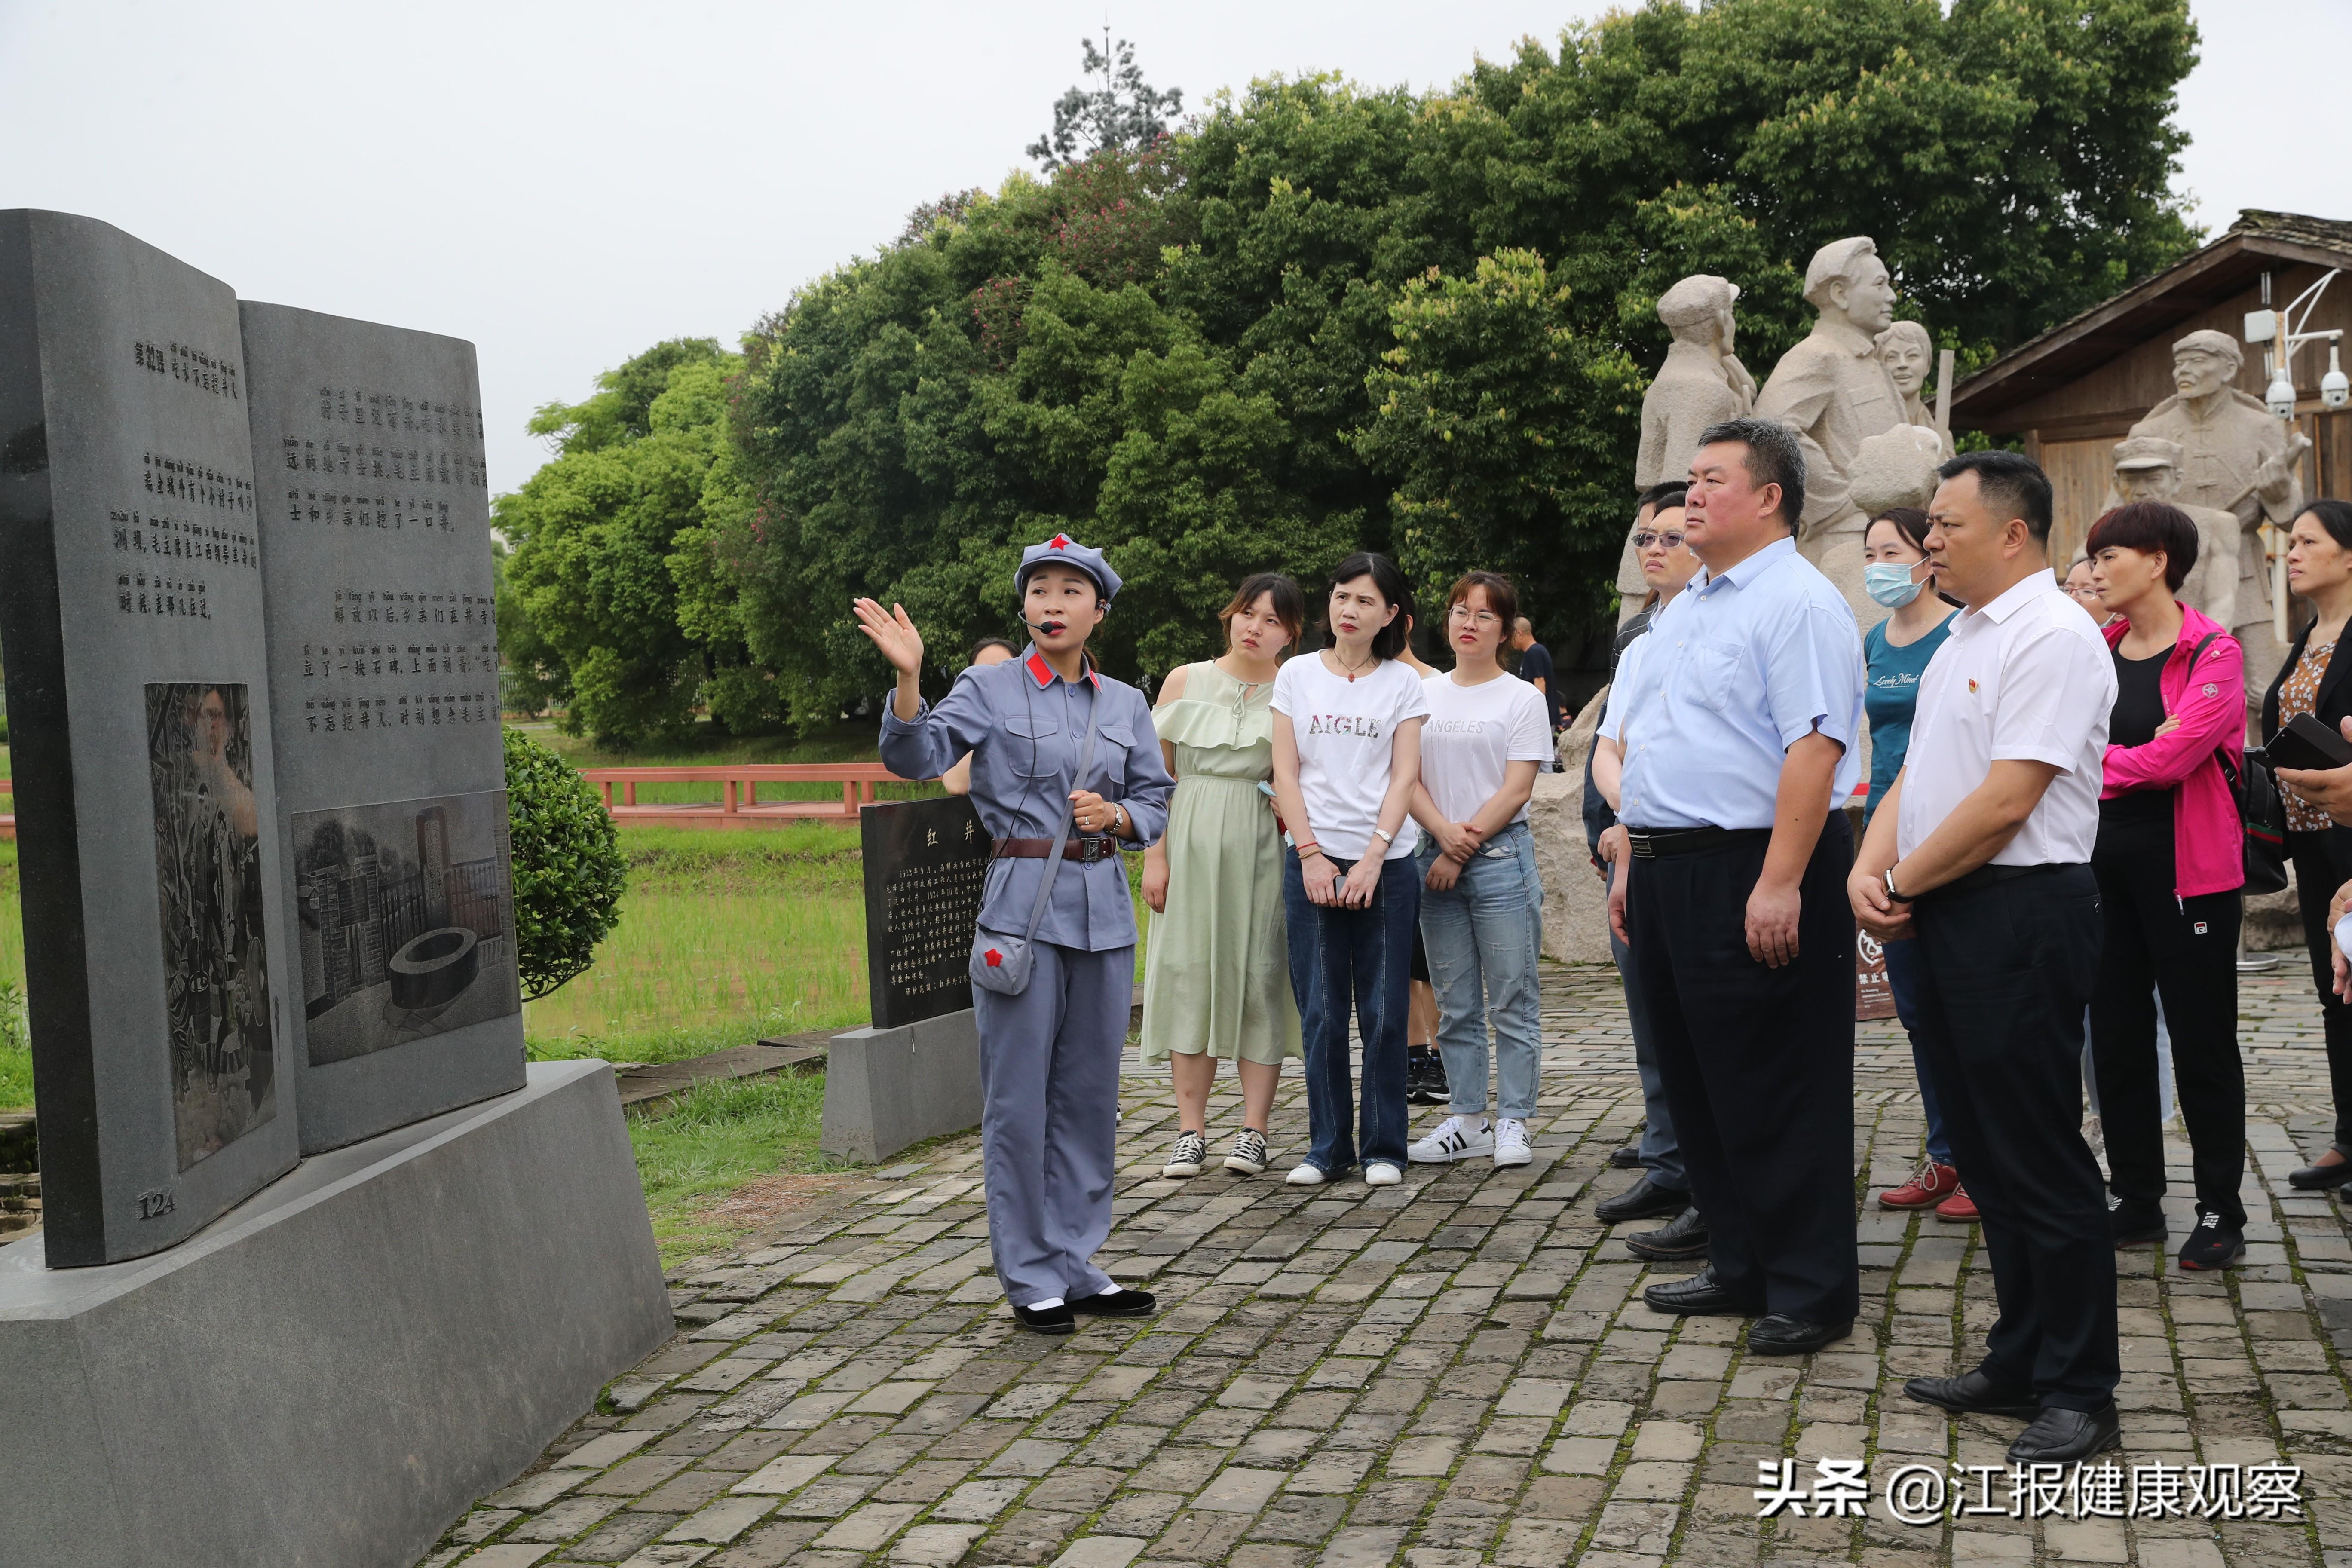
1661 1151
1482 934
1903 979
1365 955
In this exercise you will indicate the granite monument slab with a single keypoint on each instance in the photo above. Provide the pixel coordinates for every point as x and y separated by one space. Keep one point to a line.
925 864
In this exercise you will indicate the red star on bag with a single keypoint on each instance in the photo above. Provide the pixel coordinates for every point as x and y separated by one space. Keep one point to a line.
1059 542
994 958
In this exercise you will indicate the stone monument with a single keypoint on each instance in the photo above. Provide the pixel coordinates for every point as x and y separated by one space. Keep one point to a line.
266 917
915 1072
1834 391
2235 457
1908 352
2147 467
1701 382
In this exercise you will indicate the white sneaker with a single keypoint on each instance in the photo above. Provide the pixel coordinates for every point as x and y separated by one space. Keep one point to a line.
1382 1175
1248 1157
1305 1175
1511 1142
1455 1138
1192 1149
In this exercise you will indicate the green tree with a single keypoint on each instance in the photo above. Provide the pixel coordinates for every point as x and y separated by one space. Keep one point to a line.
611 600
1125 114
569 872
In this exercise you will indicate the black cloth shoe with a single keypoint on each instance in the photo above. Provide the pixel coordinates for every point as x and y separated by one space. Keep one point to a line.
1974 1393
2058 1437
2211 1245
1046 1319
2133 1226
1782 1334
1644 1200
1682 1240
1629 1158
2319 1178
1697 1297
1116 1304
1424 1077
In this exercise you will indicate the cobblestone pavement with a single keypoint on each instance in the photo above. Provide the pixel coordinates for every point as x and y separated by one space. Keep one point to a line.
1453 1373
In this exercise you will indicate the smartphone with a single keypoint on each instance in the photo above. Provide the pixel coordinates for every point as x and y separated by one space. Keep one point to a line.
2305 742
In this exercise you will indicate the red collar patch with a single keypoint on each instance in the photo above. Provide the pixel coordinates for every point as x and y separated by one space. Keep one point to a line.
1043 673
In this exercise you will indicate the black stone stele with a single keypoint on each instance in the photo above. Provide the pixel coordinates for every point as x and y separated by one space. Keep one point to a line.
926 861
156 929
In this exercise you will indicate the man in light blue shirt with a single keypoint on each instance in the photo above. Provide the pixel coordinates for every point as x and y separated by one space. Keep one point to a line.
1738 726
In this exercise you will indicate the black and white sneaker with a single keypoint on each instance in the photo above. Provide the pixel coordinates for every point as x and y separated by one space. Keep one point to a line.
2211 1245
1248 1157
1191 1152
1455 1138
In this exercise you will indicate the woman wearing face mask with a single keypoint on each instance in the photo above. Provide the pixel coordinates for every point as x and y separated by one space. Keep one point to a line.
1895 652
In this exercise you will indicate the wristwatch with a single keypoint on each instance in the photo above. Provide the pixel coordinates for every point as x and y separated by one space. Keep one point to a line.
1898 898
1385 836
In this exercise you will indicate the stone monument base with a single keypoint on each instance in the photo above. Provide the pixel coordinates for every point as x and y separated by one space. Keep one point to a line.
335 1368
888 1088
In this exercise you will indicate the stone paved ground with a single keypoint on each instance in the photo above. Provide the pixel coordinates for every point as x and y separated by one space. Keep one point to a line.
1454 1373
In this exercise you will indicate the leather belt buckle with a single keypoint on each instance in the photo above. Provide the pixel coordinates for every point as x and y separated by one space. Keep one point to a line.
1093 847
1641 844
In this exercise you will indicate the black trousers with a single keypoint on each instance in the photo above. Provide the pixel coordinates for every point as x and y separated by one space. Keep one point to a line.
1758 1068
2323 863
2188 949
2005 971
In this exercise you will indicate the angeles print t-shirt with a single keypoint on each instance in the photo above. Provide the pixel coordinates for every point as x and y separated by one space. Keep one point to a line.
1346 731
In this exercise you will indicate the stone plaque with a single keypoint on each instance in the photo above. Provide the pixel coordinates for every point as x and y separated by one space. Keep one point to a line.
373 511
156 936
926 863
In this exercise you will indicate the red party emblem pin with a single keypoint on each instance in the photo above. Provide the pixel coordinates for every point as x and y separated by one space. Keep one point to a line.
994 958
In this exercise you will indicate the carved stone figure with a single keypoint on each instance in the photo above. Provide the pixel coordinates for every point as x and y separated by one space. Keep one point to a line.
1701 384
2235 457
2147 467
1909 353
1896 468
1832 389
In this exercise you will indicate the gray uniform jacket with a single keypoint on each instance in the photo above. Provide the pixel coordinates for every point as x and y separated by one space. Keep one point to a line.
1024 726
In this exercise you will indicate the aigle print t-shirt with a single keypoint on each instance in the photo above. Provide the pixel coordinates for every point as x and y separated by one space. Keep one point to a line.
1347 735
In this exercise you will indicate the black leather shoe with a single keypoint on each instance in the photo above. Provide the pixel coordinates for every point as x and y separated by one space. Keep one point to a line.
2135 1226
1974 1393
1782 1334
1046 1319
1682 1240
1116 1304
1629 1158
1644 1200
2319 1178
1697 1297
2058 1437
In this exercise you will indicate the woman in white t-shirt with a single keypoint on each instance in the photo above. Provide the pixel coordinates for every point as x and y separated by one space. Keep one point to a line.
1482 905
1347 750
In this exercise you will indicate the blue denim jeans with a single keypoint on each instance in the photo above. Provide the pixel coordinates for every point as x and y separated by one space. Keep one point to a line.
1661 1151
1363 956
1903 979
1482 934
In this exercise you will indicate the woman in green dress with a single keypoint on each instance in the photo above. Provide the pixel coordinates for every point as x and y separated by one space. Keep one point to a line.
1216 977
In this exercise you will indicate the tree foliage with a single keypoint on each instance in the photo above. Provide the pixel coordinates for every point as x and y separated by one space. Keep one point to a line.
1324 318
569 873
1125 114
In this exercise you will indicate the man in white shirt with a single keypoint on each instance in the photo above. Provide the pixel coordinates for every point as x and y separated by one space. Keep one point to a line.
1982 856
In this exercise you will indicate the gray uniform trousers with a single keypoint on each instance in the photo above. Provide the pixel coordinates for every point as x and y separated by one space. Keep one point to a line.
1049 1118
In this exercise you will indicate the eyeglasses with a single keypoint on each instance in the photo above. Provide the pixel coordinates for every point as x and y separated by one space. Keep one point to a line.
1643 539
2085 592
1481 617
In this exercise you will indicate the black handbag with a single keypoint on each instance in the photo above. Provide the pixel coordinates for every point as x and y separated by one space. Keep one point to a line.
2262 814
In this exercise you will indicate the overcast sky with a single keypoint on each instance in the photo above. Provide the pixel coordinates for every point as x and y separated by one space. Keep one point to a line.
566 185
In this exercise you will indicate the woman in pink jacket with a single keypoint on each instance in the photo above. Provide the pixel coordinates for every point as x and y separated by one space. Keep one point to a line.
2170 861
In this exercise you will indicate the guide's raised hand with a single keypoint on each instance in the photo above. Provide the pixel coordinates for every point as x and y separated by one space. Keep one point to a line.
894 633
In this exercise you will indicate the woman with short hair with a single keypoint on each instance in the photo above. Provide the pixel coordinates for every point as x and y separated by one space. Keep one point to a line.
1216 979
1347 753
2170 860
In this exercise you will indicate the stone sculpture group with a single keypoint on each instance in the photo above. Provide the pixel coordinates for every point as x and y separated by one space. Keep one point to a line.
1855 391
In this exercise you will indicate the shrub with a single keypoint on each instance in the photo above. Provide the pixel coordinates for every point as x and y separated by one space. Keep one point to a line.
569 873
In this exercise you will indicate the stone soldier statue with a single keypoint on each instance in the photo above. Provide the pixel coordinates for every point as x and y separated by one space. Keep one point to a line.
1832 389
1701 384
1909 352
2235 457
2147 467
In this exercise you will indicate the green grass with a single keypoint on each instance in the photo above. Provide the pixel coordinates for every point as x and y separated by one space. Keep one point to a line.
712 1139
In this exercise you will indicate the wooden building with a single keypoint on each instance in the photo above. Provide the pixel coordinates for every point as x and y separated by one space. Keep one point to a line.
2074 392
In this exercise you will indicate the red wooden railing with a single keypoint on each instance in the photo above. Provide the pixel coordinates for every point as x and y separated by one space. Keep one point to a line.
738 804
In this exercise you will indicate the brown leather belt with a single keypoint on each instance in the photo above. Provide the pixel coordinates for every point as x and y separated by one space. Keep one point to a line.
1084 847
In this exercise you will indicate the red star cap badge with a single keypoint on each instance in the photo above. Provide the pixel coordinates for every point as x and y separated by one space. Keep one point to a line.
1059 542
995 959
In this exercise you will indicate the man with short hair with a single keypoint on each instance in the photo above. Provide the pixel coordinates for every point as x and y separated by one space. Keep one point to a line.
1535 667
1982 854
1738 724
